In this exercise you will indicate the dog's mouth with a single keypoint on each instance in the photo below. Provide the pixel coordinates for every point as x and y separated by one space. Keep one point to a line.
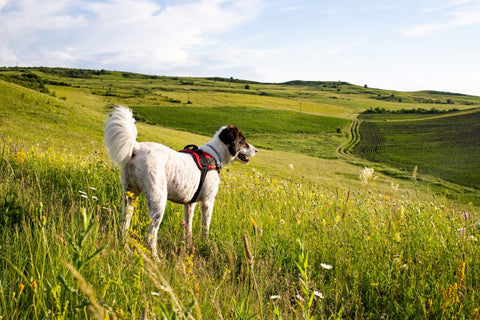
243 158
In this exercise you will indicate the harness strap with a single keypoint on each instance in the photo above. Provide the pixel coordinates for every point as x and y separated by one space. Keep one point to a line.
205 162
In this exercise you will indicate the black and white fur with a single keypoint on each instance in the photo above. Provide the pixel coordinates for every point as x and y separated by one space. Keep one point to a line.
162 174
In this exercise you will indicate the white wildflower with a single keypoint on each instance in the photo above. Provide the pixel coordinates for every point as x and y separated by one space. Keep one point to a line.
366 174
326 266
275 297
318 294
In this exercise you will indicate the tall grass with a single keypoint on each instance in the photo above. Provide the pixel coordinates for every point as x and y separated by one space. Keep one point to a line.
278 249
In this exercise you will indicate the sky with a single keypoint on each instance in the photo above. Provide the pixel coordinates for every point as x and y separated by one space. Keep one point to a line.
389 44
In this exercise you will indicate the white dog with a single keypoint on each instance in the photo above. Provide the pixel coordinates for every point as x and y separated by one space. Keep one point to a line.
162 174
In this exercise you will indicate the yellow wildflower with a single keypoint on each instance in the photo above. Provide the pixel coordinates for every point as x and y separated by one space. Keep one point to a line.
21 156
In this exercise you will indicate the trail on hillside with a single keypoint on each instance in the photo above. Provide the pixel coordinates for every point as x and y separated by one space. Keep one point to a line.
346 148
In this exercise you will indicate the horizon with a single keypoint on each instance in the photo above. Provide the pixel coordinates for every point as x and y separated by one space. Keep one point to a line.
248 80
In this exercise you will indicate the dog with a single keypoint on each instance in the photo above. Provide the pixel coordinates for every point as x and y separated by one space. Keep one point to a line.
162 174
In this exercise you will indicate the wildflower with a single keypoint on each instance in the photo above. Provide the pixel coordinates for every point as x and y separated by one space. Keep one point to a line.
34 285
188 265
366 174
44 220
462 231
430 306
93 188
318 294
394 187
465 215
398 237
475 314
275 297
153 293
94 198
290 166
21 156
300 298
21 287
282 221
326 266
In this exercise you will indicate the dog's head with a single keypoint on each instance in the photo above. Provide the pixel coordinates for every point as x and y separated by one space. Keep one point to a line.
237 146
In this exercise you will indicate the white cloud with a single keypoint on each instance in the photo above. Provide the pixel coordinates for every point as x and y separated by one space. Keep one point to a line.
7 57
118 34
459 2
467 17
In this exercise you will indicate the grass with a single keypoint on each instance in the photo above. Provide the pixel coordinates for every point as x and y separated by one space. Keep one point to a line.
292 236
63 257
443 146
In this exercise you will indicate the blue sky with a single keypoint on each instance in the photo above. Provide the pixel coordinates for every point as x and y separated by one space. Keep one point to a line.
398 45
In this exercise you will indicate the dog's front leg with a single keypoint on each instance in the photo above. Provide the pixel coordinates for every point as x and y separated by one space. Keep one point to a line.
188 221
207 209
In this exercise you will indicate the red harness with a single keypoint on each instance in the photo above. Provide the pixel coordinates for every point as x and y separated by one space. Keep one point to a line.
198 160
205 162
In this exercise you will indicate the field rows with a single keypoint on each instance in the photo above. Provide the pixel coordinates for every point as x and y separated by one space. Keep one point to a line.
447 147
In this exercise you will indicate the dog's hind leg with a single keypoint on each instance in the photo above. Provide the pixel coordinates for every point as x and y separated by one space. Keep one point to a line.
129 199
188 220
156 200
207 210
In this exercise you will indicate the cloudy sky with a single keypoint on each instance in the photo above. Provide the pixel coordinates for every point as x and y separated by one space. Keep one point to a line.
389 44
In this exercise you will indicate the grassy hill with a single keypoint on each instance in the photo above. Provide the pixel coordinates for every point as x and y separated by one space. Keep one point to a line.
447 146
324 243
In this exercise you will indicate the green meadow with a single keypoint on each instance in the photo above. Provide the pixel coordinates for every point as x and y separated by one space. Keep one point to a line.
304 231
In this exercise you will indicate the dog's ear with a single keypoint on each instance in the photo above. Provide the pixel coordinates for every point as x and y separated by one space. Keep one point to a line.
233 138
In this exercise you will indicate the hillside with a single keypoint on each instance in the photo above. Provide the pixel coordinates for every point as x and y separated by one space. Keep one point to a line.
446 145
304 231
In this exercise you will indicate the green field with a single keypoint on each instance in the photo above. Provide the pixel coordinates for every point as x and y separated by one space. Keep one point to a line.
266 128
321 243
446 146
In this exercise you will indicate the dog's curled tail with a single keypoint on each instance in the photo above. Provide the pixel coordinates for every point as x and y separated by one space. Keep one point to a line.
120 135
